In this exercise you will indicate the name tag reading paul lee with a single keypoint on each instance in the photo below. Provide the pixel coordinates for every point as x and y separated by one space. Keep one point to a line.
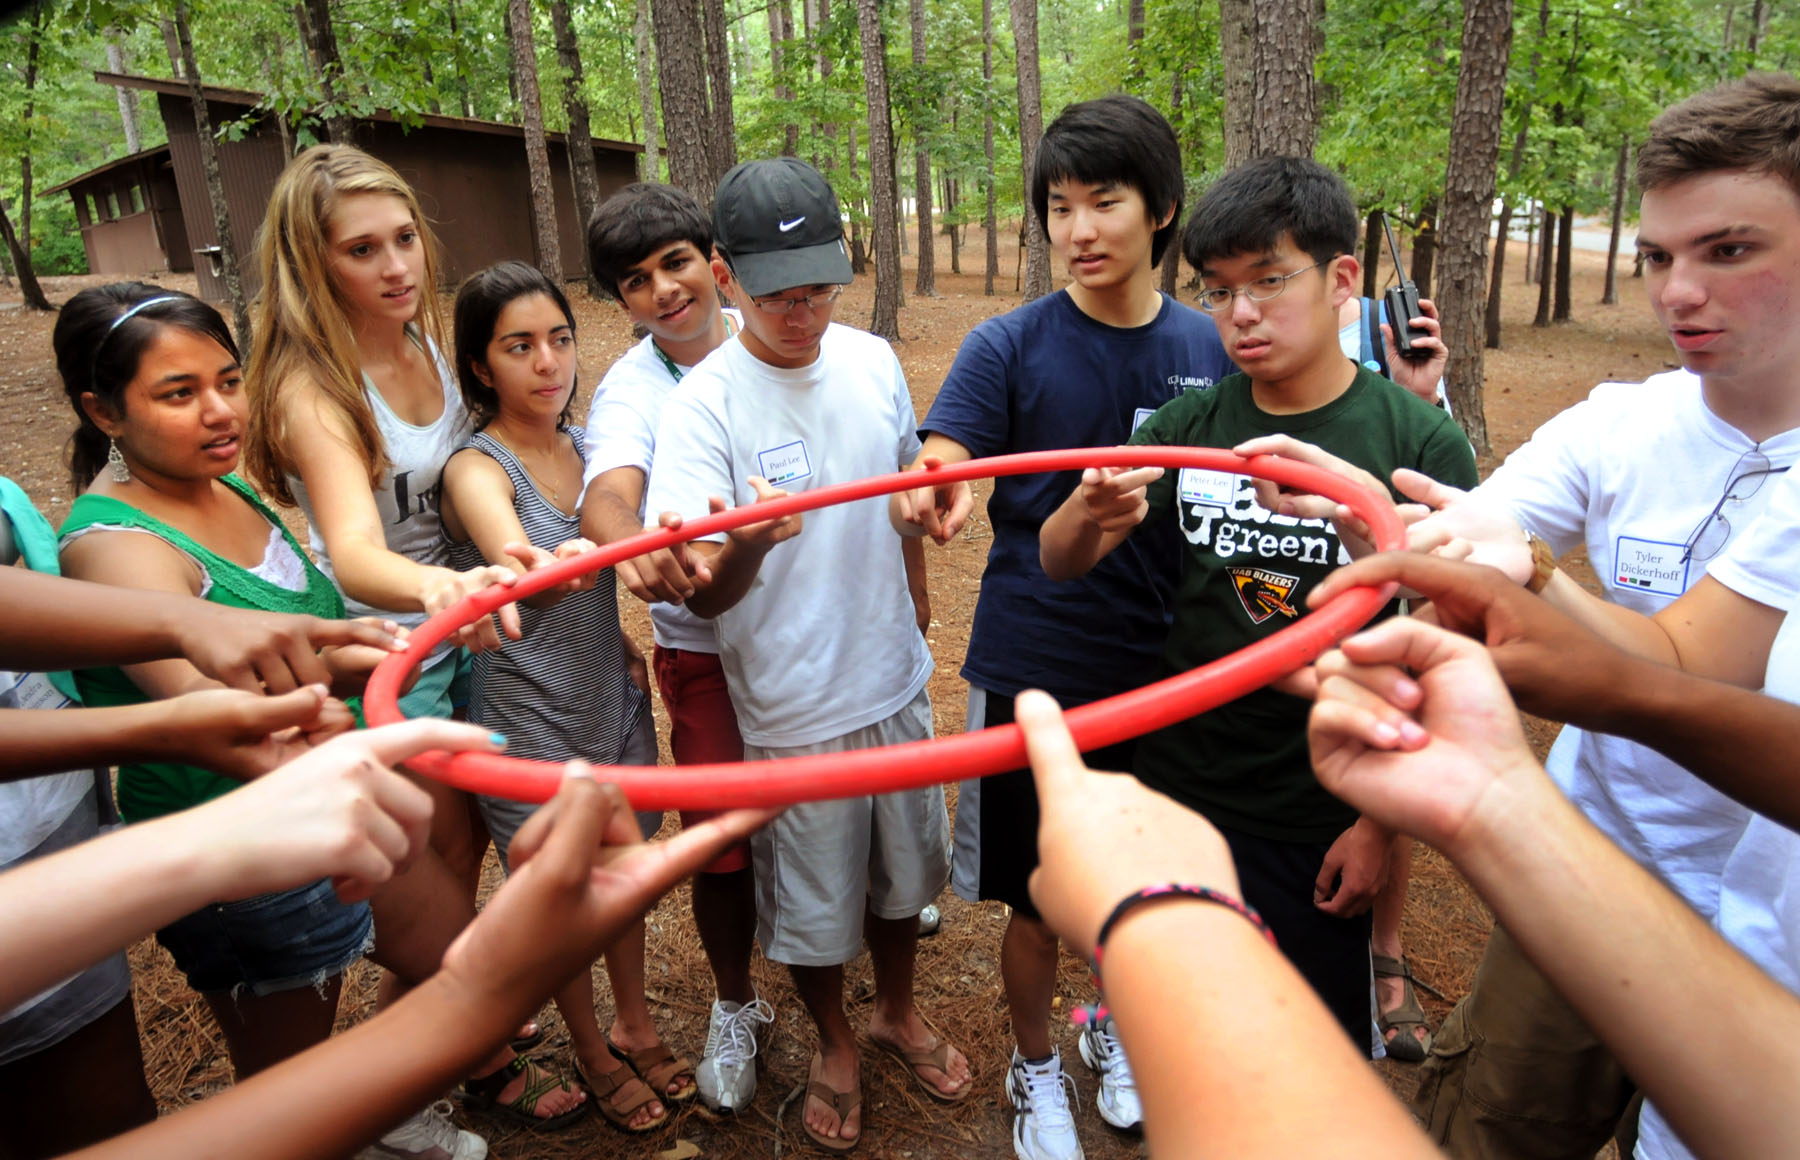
785 464
1649 566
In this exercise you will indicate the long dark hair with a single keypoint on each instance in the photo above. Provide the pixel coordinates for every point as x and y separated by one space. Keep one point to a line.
100 335
479 301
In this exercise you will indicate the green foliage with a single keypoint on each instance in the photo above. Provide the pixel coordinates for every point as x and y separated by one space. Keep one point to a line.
56 238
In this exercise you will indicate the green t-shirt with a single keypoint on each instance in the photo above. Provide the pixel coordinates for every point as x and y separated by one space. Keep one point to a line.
152 789
1246 574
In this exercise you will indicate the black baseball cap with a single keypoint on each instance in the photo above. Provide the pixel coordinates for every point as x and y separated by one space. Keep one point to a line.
778 226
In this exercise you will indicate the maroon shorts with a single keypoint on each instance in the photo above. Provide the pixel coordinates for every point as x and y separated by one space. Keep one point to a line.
703 727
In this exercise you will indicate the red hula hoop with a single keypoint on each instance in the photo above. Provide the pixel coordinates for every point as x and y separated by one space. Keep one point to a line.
918 763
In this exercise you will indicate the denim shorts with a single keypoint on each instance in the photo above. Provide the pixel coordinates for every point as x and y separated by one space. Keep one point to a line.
274 942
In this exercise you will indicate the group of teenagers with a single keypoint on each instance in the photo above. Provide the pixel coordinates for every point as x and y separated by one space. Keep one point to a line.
174 627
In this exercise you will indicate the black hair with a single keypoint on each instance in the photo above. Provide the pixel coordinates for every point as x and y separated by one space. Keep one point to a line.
1113 139
1249 209
479 301
98 348
637 221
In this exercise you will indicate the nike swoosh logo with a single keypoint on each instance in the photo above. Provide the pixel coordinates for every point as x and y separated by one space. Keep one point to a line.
784 227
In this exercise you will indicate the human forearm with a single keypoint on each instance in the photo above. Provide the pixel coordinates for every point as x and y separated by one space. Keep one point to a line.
1632 631
57 623
734 567
1070 544
606 517
40 741
370 1076
1627 954
1180 971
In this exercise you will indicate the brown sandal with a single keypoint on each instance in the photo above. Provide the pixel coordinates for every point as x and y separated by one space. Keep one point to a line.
618 1110
658 1066
843 1103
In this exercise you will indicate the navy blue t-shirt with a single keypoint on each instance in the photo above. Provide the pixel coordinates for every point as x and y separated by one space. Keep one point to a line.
1042 378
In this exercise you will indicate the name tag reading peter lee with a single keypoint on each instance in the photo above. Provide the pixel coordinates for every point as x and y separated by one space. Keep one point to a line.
785 464
1649 566
1213 488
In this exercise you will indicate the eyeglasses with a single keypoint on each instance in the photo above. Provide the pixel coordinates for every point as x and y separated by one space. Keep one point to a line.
1217 298
1712 532
786 305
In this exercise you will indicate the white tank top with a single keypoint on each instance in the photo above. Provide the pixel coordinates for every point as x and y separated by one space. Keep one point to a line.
407 496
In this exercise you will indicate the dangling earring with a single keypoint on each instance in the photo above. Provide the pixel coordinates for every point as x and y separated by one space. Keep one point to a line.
120 472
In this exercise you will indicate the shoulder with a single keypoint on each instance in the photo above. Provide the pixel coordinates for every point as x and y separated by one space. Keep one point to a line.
1172 421
475 466
849 342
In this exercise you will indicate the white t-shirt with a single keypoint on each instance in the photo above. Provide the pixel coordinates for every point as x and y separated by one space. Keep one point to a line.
407 498
621 432
1759 888
1630 473
825 641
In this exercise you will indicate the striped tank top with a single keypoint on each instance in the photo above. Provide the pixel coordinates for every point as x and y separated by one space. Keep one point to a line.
562 691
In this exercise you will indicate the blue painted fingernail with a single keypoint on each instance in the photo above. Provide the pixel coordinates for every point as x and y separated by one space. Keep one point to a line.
497 738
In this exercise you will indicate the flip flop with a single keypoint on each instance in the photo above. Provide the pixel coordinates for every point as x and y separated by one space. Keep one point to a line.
937 1057
1402 1020
843 1103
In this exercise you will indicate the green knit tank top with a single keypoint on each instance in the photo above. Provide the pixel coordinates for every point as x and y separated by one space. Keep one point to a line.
153 789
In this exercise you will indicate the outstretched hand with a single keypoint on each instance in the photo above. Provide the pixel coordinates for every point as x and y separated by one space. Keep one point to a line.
1116 499
272 651
1102 836
1427 753
1554 667
581 875
940 509
446 587
763 534
1354 531
667 575
245 735
339 811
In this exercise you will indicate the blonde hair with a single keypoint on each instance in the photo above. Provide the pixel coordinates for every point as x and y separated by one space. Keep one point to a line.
300 319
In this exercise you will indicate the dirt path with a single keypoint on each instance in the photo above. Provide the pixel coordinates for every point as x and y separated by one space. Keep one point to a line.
1539 373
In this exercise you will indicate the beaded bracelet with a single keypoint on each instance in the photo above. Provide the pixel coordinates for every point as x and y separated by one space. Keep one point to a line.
1167 890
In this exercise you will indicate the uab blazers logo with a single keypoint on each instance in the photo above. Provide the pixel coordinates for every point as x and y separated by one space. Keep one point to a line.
1265 593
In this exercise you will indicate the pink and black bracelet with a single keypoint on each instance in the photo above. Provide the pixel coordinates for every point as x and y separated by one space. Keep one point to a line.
1172 890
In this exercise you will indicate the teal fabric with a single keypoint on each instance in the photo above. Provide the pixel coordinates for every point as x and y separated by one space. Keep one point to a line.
35 541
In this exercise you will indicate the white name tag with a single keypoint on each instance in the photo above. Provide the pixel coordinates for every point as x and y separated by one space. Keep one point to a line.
785 464
1215 488
1649 566
34 691
1138 417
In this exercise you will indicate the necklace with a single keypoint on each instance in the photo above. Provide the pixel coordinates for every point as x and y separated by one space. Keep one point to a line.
537 477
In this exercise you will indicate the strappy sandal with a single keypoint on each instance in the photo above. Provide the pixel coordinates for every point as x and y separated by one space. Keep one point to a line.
843 1103
657 1066
1402 1020
618 1110
484 1095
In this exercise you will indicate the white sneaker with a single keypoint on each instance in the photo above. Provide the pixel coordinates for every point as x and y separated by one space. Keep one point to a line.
427 1135
1043 1128
1101 1050
726 1075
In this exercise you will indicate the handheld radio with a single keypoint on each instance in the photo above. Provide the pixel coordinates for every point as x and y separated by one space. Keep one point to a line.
1403 305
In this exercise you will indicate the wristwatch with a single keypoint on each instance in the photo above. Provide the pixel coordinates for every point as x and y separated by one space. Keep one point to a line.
1543 562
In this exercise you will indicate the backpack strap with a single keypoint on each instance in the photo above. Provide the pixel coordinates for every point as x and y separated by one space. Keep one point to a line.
1374 351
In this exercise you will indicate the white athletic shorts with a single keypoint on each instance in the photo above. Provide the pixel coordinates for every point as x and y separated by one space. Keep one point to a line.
820 864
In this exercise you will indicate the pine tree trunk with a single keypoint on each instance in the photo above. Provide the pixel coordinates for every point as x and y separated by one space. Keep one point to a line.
646 85
172 44
988 225
818 17
1610 296
1424 254
884 195
1237 52
722 143
1171 267
115 62
31 75
781 31
537 153
859 255
951 230
1512 171
215 186
681 73
1031 131
925 279
321 45
1565 240
21 263
1371 254
462 80
584 173
1286 120
1545 271
1475 129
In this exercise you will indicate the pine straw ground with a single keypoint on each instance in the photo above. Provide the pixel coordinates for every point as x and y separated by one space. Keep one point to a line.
1538 374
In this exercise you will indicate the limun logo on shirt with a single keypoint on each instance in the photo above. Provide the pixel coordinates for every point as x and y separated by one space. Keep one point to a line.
1180 383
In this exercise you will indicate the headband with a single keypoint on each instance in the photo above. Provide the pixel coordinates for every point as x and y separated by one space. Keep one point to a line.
94 364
